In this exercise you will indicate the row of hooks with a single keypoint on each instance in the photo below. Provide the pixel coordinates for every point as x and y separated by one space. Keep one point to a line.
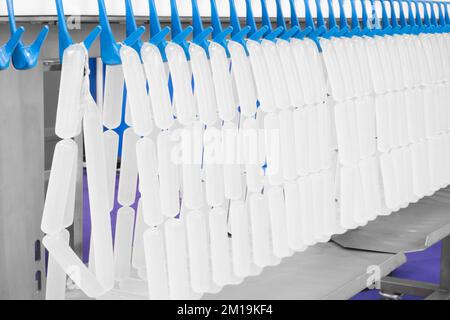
420 18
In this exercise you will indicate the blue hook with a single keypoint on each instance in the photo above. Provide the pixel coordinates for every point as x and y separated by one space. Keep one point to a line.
426 17
446 16
414 29
385 24
394 22
25 57
295 23
254 34
308 18
365 20
200 34
418 18
178 34
271 34
219 35
109 48
355 26
157 36
320 21
65 40
333 28
281 23
6 50
441 16
131 26
238 34
405 28
343 24
433 19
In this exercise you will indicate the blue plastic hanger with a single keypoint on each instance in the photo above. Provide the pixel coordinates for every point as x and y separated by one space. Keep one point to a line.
414 29
355 26
254 34
271 34
131 26
200 34
446 16
219 35
426 28
418 18
404 27
295 23
238 34
179 34
109 48
344 28
396 29
65 40
157 35
7 49
441 22
333 28
287 34
365 29
434 23
385 23
309 22
25 57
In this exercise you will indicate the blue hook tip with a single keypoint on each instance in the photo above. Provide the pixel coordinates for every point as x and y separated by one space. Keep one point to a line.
134 37
93 35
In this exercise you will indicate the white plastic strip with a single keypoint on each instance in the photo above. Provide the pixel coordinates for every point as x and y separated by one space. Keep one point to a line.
69 112
56 277
126 195
288 144
213 169
220 248
260 226
223 82
198 248
98 196
123 243
182 84
111 140
261 75
147 162
68 261
168 176
243 78
155 258
240 239
278 222
59 186
158 86
203 85
232 172
177 259
113 96
192 143
278 80
136 91
70 205
138 257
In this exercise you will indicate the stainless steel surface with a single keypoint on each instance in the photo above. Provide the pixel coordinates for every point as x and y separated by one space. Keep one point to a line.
445 265
21 183
412 229
392 285
324 271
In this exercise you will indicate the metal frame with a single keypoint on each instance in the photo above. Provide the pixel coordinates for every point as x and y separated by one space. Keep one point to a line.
412 229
